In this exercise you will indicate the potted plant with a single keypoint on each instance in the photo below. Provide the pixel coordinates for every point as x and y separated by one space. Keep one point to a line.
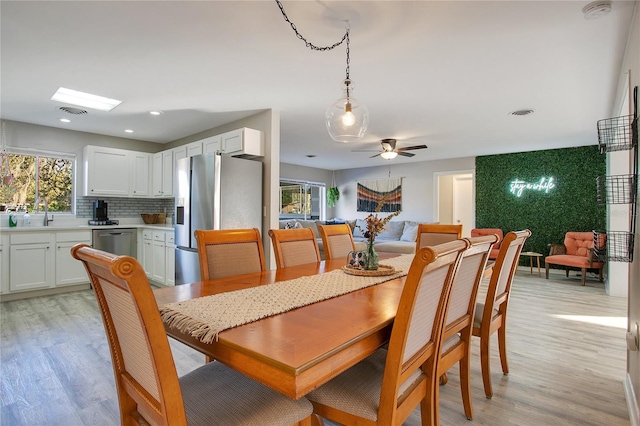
333 195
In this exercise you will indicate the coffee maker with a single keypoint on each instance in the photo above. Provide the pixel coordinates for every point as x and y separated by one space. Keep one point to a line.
100 215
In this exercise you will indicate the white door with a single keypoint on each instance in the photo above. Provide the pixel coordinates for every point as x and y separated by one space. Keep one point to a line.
463 209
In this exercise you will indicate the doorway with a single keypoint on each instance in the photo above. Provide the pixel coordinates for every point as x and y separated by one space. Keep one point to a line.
455 199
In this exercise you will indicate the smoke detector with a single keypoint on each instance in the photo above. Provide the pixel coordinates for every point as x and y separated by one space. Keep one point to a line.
74 111
597 9
521 112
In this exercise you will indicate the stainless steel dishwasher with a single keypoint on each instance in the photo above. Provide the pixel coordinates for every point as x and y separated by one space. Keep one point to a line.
121 241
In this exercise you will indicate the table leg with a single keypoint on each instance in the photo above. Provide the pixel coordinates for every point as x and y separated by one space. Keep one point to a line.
538 259
531 265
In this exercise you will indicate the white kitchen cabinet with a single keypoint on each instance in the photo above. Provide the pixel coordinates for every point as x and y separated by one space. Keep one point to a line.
170 259
147 251
140 172
106 171
212 144
69 270
159 270
163 167
194 148
4 263
243 142
31 258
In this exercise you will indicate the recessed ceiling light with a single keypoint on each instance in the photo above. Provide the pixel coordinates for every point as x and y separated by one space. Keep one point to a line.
65 120
521 112
83 99
155 112
128 131
311 156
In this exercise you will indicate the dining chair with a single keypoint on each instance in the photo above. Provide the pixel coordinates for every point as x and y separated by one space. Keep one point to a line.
385 387
337 240
294 246
456 341
491 316
431 234
228 252
149 390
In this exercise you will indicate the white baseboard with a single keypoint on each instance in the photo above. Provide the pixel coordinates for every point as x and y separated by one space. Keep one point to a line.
632 402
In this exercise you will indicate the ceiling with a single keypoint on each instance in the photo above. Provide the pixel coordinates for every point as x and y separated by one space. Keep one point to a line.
445 74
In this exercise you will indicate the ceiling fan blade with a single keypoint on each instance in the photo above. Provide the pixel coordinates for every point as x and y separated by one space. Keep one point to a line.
405 154
409 148
374 156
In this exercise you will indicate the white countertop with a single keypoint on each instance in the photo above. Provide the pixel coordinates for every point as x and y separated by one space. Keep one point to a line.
71 223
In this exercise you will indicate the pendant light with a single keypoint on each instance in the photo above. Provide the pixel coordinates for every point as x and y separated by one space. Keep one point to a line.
346 119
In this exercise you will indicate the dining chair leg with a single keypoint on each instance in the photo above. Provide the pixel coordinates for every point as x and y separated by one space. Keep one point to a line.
600 276
316 420
584 275
465 386
502 346
444 379
429 406
485 362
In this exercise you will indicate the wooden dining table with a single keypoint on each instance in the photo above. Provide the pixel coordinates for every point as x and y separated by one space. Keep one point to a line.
296 351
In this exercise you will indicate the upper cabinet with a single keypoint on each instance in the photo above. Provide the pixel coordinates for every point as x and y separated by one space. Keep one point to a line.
163 166
106 171
116 172
244 142
212 144
140 174
112 172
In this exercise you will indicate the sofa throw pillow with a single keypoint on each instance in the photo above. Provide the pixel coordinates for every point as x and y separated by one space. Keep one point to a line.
392 231
410 231
359 226
310 224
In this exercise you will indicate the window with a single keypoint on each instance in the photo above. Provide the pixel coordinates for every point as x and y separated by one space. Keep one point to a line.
302 200
38 175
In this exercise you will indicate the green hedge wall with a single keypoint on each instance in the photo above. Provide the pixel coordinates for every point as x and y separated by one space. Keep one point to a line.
570 206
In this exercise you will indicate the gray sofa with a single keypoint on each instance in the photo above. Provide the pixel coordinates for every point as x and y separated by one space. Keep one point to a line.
398 236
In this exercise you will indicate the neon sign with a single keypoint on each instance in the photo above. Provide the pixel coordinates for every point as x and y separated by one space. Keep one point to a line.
517 186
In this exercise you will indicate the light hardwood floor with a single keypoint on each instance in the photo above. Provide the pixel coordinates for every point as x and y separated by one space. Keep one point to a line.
567 367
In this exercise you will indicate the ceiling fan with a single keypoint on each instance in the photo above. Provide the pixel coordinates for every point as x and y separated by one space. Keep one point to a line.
389 150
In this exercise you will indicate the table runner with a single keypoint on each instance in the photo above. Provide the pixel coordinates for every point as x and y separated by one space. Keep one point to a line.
205 317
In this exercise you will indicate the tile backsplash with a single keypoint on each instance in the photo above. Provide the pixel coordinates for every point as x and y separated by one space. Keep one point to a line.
125 207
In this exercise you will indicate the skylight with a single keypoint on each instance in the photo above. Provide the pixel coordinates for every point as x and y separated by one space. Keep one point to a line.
83 99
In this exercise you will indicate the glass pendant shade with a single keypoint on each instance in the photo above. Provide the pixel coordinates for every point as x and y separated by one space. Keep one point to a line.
347 119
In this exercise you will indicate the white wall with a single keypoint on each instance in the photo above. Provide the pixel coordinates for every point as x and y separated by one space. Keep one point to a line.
31 136
417 186
630 70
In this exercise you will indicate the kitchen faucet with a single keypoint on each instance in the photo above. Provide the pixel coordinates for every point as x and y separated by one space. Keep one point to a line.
46 210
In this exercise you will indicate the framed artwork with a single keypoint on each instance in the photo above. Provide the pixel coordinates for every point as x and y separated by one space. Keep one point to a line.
370 192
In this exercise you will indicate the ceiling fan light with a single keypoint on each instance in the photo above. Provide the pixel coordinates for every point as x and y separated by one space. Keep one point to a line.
388 155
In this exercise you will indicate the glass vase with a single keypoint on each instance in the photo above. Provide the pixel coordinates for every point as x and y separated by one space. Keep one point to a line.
371 258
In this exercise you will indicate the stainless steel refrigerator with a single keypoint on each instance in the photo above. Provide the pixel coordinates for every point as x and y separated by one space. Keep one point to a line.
213 192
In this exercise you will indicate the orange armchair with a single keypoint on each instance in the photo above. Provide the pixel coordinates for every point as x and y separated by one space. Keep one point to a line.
576 252
481 232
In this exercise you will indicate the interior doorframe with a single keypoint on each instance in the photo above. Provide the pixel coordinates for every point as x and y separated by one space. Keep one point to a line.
436 192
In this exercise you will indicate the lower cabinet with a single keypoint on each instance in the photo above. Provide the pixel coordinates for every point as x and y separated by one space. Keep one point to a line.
41 260
158 254
70 271
4 263
31 260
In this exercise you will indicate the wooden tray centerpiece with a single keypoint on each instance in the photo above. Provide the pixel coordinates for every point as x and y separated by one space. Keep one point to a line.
383 270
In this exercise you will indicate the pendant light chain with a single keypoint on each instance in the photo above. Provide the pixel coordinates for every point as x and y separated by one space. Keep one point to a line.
311 45
346 119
